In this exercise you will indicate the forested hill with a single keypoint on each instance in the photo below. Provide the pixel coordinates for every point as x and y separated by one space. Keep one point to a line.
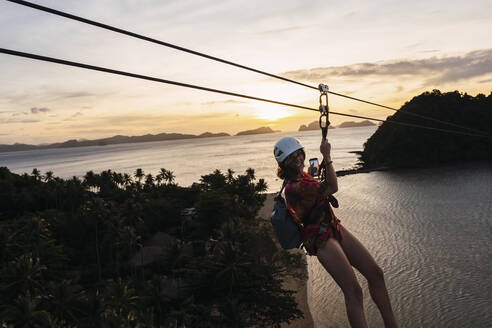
112 251
403 146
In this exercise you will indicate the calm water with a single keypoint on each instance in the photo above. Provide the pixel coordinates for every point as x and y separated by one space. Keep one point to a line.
430 230
188 159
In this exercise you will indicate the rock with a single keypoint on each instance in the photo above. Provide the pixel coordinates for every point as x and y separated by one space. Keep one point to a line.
263 129
351 124
312 126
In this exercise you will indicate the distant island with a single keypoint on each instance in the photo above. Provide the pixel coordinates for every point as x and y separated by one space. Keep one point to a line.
352 124
261 130
312 126
118 139
315 125
398 146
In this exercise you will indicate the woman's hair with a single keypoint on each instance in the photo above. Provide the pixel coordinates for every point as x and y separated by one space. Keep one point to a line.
288 172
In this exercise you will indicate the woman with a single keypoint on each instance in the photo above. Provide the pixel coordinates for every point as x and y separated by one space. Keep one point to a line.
324 237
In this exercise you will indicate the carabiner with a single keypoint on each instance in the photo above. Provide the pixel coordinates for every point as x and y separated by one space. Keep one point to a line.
324 124
324 110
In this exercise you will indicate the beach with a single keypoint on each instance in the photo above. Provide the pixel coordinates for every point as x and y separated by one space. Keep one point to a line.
298 285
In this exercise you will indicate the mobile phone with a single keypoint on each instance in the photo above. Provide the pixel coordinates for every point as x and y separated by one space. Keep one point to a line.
313 168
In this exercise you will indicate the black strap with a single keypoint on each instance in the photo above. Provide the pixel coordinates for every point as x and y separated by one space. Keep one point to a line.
283 186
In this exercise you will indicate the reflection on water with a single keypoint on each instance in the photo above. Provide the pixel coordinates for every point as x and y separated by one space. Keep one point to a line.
430 230
189 159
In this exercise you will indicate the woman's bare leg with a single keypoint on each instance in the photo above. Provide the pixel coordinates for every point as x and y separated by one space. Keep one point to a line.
362 260
333 259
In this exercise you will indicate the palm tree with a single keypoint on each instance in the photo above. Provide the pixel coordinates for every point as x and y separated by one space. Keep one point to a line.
118 179
156 298
122 300
158 179
230 176
36 174
48 176
160 176
64 301
127 180
149 181
23 275
94 309
90 179
165 175
139 174
24 311
169 176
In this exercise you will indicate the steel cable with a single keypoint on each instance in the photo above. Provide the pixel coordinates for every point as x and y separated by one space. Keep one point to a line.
197 53
155 79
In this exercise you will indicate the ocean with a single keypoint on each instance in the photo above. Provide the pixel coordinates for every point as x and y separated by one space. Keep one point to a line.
431 232
429 229
188 159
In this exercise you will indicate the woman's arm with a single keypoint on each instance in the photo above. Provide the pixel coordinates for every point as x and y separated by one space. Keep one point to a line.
331 177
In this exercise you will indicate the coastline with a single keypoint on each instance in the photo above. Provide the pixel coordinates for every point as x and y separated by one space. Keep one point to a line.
298 285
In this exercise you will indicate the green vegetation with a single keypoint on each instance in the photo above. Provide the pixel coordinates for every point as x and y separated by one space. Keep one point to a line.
402 146
70 252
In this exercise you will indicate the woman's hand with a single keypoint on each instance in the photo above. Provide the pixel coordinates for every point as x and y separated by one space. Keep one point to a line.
325 149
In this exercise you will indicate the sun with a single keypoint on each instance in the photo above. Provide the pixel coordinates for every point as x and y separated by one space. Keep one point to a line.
271 112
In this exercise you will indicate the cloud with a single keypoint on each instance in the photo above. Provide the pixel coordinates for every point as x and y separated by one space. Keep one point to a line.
229 101
123 121
36 110
432 70
429 51
282 30
106 131
76 94
20 113
485 81
73 117
11 121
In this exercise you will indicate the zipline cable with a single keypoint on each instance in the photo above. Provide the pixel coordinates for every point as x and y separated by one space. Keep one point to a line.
170 45
149 39
155 79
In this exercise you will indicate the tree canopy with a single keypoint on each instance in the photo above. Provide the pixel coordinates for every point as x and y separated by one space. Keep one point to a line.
68 249
404 146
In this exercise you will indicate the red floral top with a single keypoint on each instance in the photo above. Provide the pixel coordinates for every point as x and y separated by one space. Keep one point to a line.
306 200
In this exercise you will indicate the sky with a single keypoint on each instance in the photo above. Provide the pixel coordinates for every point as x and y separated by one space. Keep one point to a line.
381 51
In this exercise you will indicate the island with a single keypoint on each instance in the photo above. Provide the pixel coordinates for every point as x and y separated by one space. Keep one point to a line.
466 137
262 130
312 126
118 139
352 124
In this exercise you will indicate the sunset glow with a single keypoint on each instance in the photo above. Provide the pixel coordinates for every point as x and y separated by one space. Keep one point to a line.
414 47
270 112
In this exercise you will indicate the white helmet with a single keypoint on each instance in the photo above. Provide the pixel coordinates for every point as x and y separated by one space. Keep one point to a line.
284 147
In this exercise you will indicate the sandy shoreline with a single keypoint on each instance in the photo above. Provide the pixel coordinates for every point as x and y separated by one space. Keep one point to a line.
299 285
